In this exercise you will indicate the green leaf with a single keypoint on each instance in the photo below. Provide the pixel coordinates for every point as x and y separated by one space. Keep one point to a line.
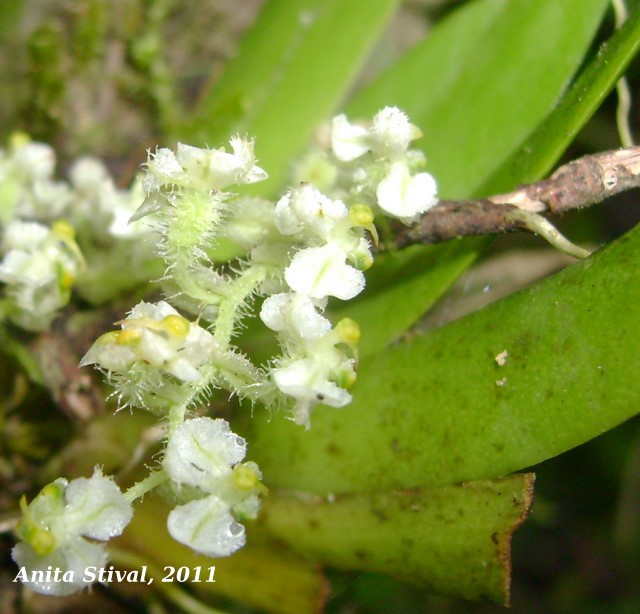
536 157
483 80
292 70
455 539
439 409
446 64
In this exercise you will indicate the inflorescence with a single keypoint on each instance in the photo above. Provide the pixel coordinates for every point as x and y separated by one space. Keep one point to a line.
291 257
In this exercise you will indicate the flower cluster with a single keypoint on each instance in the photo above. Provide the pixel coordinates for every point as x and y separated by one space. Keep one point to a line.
58 528
294 255
39 267
203 460
48 224
381 165
318 361
300 251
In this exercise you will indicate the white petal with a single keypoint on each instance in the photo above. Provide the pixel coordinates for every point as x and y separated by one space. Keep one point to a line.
36 160
207 526
323 271
348 141
273 311
77 555
24 235
247 508
306 320
296 313
96 507
406 196
254 175
157 311
216 168
243 151
304 379
162 168
202 450
109 356
286 222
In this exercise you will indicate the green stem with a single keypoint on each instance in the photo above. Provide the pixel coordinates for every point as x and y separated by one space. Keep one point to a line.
240 290
152 481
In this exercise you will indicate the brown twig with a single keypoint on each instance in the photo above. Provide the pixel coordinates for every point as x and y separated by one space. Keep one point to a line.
583 182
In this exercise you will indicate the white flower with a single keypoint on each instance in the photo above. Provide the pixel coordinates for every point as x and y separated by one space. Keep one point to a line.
99 205
404 195
155 334
24 235
387 137
310 381
55 526
319 272
201 451
34 161
89 175
77 555
391 133
203 169
320 371
206 455
295 314
123 208
306 208
39 268
206 526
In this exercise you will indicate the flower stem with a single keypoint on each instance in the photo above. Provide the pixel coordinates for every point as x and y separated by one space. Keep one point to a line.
239 292
141 488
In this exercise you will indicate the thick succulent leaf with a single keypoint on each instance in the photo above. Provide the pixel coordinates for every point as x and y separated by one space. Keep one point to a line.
293 69
453 539
439 409
483 80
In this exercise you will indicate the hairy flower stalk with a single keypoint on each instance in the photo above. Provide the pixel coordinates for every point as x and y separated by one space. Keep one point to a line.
167 357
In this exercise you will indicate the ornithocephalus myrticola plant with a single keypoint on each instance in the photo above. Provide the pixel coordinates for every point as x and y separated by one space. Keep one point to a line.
168 357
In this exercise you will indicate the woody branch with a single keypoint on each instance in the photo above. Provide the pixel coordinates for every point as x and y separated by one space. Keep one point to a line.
580 183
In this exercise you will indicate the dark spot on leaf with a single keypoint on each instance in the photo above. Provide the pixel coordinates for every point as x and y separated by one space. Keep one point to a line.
332 448
380 514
